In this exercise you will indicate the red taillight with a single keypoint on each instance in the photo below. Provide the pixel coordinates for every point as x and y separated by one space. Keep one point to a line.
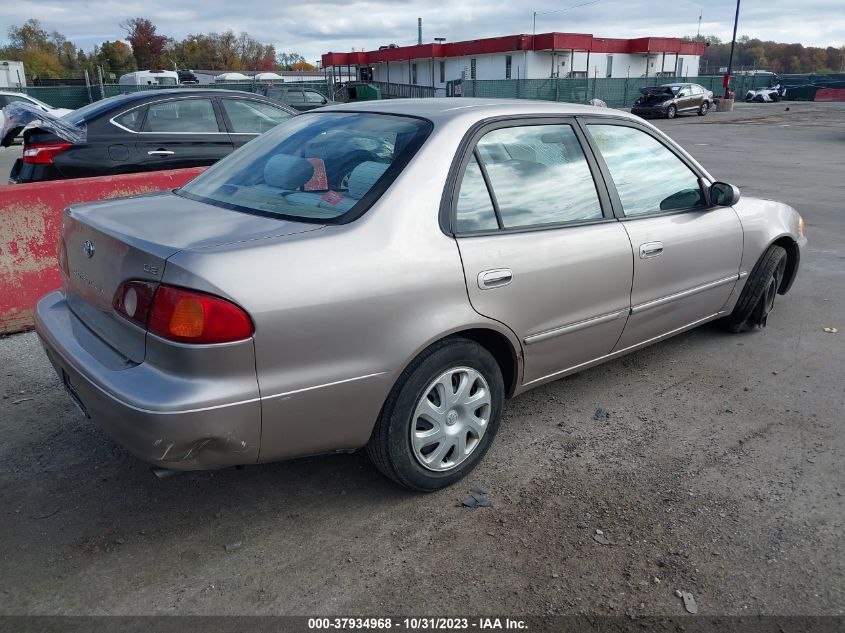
186 316
134 299
43 154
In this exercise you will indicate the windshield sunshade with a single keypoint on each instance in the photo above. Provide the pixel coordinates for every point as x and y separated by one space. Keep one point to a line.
320 167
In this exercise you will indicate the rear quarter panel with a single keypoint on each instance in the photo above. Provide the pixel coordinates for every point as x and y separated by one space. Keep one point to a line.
340 312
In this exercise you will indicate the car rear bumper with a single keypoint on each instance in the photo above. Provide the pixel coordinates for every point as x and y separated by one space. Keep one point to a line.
195 434
26 172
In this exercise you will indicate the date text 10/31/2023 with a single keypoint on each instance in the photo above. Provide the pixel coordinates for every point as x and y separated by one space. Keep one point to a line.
417 624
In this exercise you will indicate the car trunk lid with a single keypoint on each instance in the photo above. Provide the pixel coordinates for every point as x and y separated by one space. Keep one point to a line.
110 242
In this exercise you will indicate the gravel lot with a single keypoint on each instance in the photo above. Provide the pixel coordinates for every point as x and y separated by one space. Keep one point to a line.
8 156
719 471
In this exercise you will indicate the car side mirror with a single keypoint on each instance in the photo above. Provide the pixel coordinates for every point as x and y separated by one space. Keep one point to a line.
723 195
682 94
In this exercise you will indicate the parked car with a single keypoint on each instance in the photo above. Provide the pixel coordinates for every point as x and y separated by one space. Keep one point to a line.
287 302
147 131
763 95
302 99
16 97
669 100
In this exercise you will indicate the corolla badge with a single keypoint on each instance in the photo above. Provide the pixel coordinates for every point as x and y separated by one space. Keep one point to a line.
88 248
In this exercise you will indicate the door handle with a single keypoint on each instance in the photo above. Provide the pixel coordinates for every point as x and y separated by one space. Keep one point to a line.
494 278
160 152
651 249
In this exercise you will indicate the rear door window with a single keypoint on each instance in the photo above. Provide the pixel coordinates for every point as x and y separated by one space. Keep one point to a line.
131 120
295 97
187 116
314 97
475 211
252 117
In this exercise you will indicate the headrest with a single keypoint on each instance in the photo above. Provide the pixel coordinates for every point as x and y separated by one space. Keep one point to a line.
287 172
364 176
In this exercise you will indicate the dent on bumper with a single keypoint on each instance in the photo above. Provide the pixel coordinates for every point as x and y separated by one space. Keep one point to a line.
194 435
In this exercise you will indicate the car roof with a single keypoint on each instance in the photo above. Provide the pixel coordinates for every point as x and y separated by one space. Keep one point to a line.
108 105
443 109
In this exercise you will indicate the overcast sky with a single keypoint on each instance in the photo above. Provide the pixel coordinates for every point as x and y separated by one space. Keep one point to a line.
315 27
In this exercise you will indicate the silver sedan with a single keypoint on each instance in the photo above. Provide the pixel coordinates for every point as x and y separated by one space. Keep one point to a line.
386 274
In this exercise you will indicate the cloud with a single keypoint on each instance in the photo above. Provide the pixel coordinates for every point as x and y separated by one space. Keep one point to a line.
316 27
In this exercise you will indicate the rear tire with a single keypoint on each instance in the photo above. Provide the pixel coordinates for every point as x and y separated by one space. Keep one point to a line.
704 109
758 296
461 421
671 112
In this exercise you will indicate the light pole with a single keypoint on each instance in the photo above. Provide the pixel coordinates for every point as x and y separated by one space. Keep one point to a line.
727 79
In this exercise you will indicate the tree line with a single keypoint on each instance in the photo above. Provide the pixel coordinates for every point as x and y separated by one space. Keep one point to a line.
51 55
753 53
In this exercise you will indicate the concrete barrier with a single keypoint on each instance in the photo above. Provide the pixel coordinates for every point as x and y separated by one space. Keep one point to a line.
30 220
830 94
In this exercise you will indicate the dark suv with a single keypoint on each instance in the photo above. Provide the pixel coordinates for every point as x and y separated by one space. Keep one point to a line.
301 99
670 100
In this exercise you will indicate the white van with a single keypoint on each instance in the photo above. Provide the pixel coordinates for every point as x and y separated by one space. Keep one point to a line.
150 78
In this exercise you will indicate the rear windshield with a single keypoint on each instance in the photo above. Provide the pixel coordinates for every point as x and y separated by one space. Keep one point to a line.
88 112
327 166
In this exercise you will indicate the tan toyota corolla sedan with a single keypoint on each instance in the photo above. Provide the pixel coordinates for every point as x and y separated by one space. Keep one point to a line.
386 274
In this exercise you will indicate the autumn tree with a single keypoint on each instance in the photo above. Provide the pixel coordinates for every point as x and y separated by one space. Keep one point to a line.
115 57
147 46
31 44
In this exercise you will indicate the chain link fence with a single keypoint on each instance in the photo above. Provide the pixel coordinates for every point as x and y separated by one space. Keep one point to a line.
616 93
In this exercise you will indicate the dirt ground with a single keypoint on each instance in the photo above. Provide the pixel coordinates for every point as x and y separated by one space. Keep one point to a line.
719 471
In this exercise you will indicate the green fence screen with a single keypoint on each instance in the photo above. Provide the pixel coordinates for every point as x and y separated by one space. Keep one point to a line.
616 93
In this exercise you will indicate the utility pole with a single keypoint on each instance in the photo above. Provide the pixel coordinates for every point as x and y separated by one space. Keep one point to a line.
727 80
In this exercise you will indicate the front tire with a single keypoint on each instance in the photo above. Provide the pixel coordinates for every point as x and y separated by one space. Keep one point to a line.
440 417
671 112
758 296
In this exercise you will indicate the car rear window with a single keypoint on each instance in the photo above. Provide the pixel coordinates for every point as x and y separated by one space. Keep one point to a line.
321 167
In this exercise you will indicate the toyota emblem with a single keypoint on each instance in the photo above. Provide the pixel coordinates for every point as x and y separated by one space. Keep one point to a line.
88 248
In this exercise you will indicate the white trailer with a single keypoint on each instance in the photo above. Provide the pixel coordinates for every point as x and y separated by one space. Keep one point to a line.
150 78
12 75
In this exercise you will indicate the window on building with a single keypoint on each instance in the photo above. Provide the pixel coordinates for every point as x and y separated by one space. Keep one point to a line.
609 72
472 68
442 72
508 66
413 73
578 74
